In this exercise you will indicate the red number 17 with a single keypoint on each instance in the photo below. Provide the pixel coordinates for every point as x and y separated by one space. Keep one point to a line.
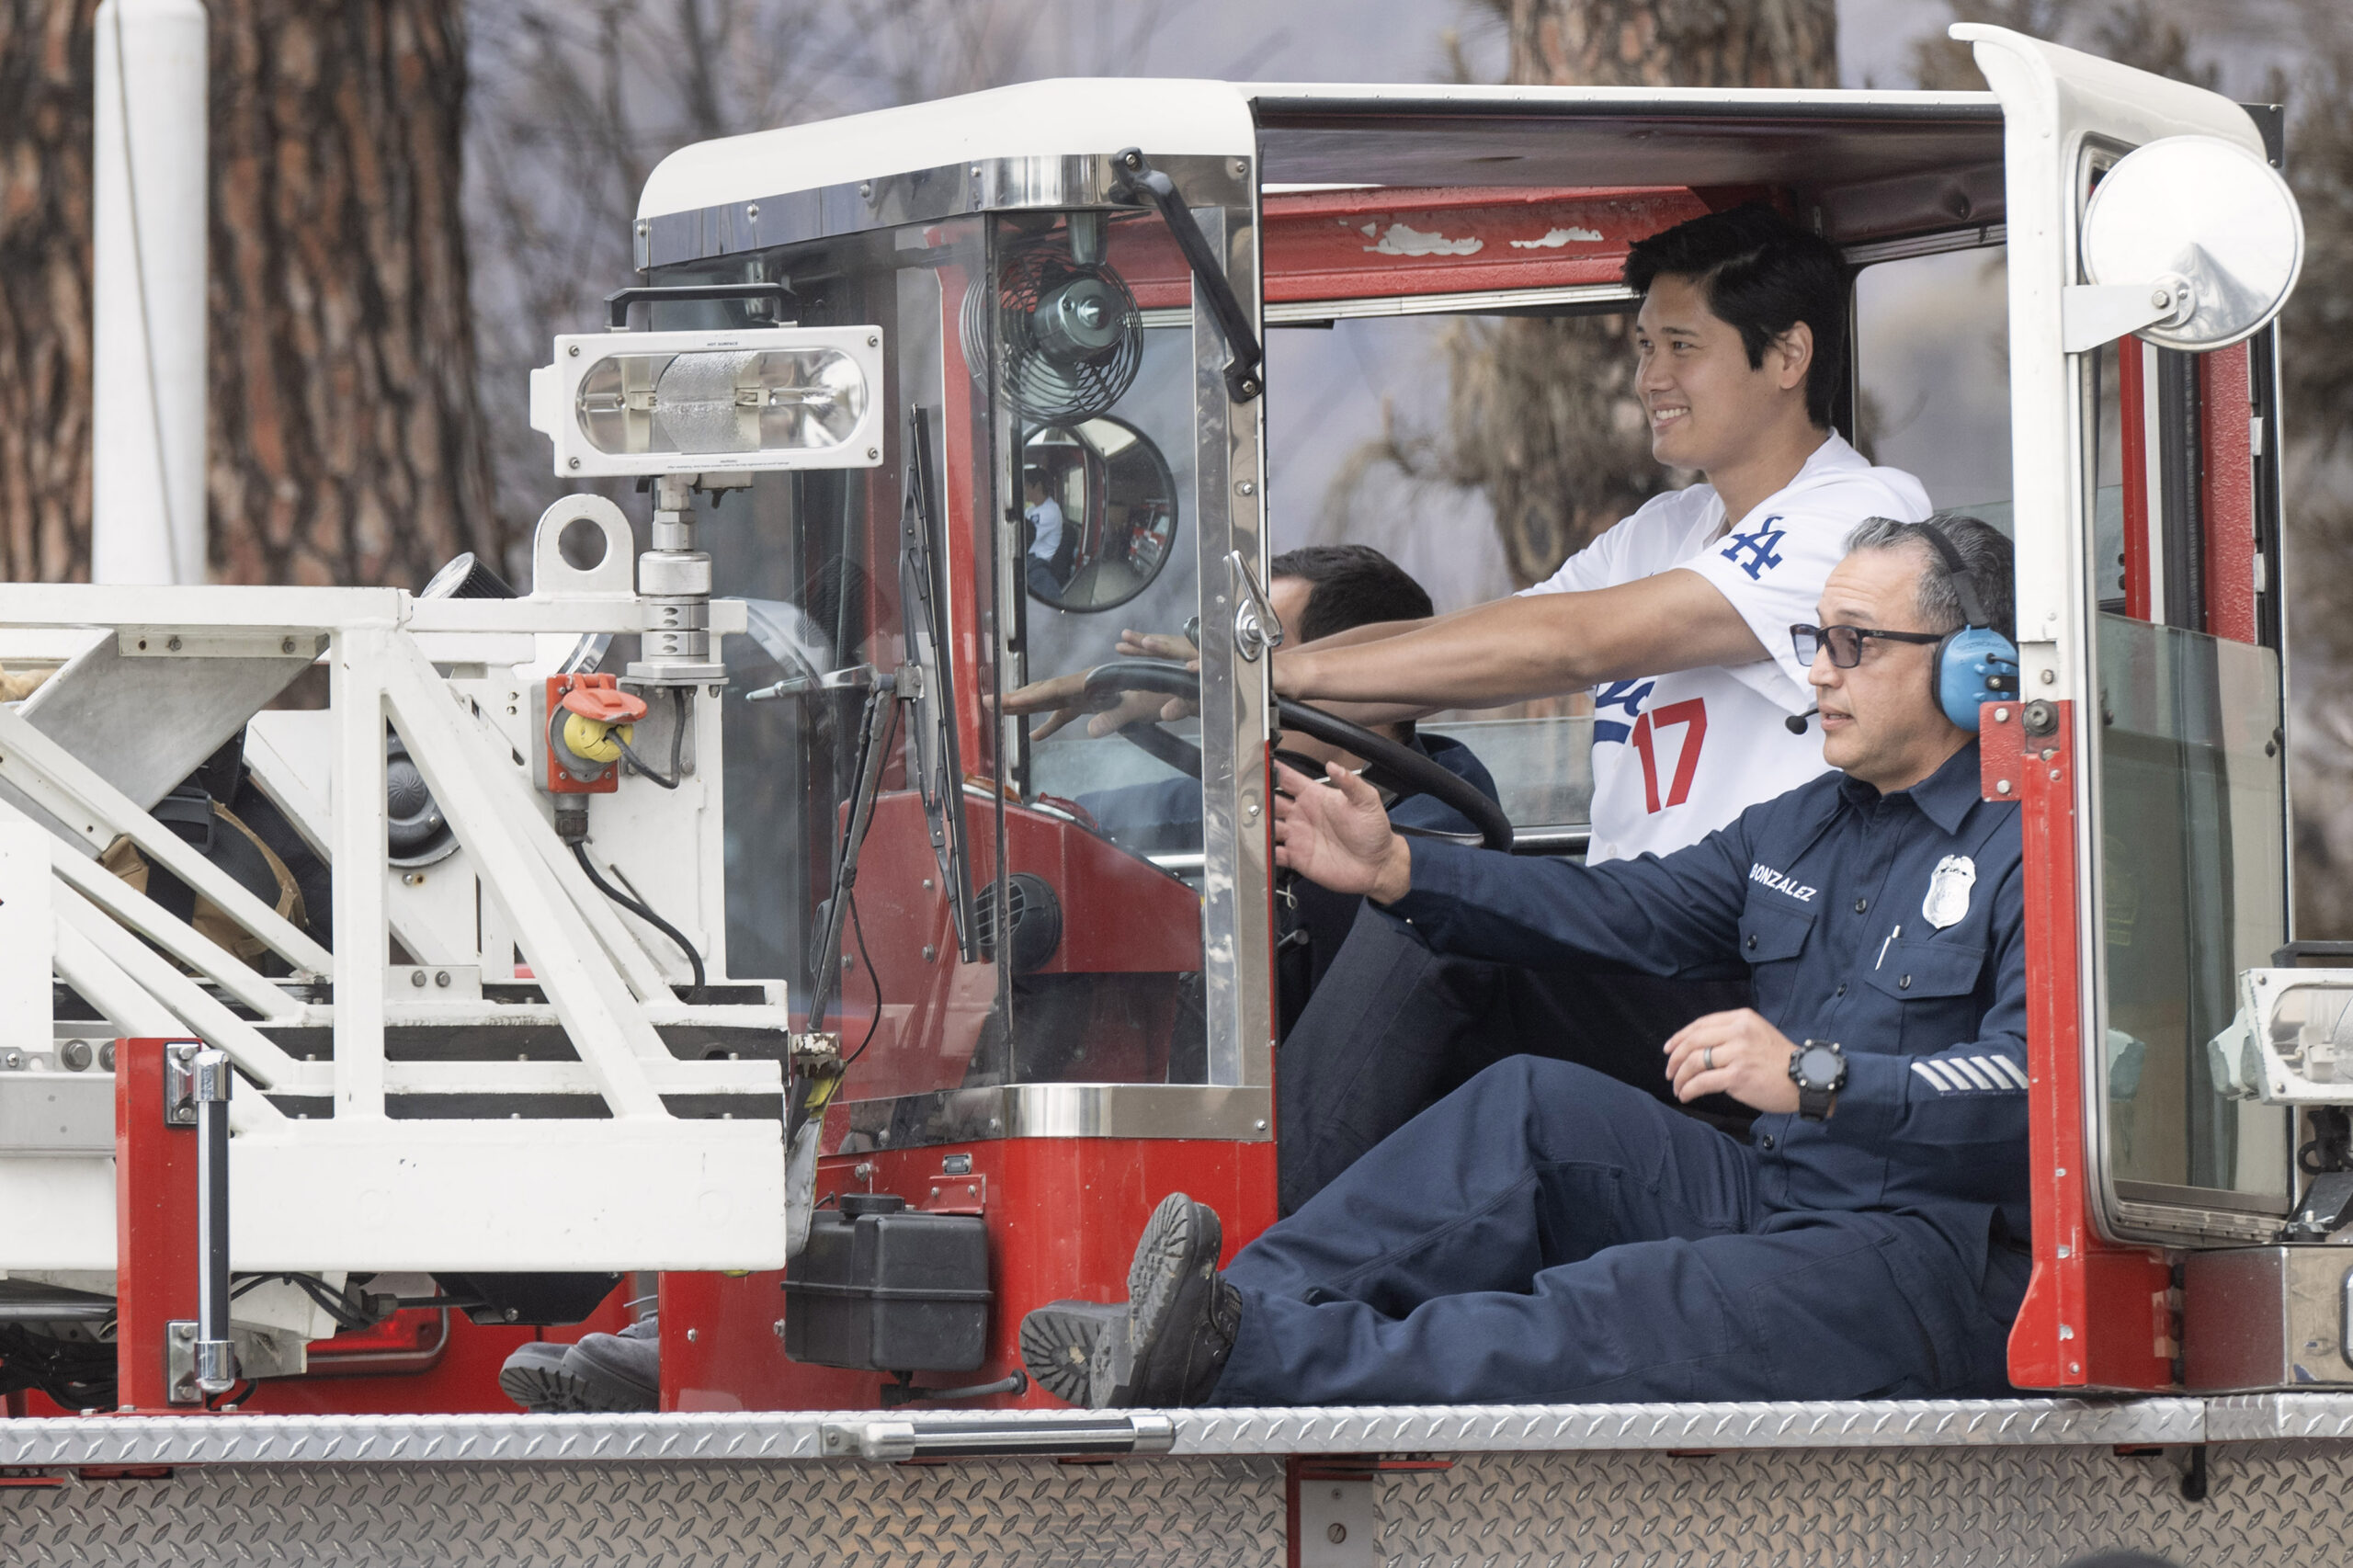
1692 714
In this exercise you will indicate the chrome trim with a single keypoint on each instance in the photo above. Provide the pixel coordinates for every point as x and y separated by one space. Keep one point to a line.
924 195
1314 312
1232 1113
1981 237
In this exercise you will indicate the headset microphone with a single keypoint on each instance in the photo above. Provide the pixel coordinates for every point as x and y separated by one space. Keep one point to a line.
1795 722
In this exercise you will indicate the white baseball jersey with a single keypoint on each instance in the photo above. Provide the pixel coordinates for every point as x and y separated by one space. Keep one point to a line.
1677 756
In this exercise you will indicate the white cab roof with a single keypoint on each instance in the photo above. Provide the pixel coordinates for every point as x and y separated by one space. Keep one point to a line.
1099 116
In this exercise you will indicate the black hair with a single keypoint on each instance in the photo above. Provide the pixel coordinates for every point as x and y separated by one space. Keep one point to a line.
1353 584
1985 554
1763 274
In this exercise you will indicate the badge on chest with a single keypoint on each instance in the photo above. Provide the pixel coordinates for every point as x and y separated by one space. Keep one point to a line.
1948 885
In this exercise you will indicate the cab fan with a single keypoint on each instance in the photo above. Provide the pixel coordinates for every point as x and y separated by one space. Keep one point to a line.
1069 337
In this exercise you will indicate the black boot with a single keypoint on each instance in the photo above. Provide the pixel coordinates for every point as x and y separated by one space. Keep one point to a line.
1058 1342
1182 1315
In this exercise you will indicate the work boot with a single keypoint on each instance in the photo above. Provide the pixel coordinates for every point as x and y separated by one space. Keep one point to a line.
533 1378
1182 1315
616 1372
1057 1343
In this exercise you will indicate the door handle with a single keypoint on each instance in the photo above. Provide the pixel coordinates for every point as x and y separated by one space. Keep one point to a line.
1257 628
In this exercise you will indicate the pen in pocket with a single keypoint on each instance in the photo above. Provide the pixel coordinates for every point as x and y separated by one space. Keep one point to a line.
1883 946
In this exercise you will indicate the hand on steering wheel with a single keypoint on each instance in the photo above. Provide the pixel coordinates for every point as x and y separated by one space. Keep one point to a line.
1400 769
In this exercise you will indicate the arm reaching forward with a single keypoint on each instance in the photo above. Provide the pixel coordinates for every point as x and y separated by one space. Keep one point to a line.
1528 645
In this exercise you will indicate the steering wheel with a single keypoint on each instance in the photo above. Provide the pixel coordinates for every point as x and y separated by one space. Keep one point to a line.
1400 769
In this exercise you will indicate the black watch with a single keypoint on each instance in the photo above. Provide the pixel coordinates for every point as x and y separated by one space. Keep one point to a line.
1819 1070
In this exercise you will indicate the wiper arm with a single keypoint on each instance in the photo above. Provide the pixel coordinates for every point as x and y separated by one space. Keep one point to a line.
1138 182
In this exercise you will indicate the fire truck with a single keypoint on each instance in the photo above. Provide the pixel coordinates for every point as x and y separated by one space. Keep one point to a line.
696 925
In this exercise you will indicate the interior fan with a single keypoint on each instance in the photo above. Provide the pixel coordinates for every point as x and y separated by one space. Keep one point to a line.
1069 337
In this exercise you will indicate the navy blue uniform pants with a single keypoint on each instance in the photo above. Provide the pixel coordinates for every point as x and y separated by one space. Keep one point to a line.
1393 1028
1547 1234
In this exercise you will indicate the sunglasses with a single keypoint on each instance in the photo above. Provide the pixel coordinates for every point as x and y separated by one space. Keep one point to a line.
1846 642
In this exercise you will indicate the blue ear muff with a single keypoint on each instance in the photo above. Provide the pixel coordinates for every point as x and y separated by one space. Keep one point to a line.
1976 665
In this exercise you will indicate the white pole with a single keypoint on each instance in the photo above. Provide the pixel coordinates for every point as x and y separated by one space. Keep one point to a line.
147 421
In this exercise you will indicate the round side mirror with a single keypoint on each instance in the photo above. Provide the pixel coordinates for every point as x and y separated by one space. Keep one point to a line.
2208 221
1099 508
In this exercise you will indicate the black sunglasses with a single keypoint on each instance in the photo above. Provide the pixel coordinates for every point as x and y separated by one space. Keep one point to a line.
1846 642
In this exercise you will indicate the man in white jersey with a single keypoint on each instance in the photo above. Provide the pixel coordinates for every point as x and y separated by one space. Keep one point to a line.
1676 620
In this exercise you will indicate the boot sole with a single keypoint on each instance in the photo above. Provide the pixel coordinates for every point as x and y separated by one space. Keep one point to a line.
541 1390
1178 1249
1059 1341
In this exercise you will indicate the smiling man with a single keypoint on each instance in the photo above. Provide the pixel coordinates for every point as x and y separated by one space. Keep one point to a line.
1676 621
1545 1234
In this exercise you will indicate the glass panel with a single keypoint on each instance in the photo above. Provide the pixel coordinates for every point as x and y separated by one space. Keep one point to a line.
1932 368
2192 864
1095 417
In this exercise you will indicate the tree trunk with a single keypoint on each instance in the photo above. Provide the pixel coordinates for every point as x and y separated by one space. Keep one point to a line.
345 438
45 94
1675 44
1543 414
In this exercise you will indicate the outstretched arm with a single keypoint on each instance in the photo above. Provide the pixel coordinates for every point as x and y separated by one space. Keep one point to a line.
1663 915
1529 645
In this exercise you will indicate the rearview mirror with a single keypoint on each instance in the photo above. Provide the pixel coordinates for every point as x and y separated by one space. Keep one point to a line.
1099 505
2200 236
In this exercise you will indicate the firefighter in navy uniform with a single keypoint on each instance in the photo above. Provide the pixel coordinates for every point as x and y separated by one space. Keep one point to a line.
1549 1233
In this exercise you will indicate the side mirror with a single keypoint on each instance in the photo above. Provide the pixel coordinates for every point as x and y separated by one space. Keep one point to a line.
1099 504
2191 241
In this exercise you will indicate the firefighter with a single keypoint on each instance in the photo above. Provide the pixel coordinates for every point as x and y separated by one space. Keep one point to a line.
1548 1234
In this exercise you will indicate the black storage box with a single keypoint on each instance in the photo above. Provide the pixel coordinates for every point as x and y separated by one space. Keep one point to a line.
882 1288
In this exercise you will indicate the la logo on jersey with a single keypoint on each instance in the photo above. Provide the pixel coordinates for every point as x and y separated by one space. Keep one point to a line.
1757 551
1642 729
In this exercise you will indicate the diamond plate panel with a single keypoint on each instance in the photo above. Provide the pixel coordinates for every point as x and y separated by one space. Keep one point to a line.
2242 1418
1034 1514
1825 1425
2027 1508
560 1439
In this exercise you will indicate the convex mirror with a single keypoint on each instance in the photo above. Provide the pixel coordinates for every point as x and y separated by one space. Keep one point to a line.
2207 220
1098 506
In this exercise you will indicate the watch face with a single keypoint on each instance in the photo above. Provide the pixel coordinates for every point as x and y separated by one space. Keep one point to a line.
1818 1067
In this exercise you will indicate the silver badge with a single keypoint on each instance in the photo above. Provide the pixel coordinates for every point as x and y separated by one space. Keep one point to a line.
1948 885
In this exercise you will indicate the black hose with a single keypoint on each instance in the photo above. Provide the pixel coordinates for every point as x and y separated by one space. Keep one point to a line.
595 879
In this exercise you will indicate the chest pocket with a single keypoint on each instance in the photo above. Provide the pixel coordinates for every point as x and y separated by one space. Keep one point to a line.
1921 970
1772 933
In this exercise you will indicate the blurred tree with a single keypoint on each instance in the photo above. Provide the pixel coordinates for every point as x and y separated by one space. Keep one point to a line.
346 440
2316 372
575 100
344 445
345 436
45 81
1543 415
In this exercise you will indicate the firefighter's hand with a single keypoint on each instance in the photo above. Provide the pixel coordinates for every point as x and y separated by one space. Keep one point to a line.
1132 708
1736 1054
1159 645
1333 832
1163 645
1064 696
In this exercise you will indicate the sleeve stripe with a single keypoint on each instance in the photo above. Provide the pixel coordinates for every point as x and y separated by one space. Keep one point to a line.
1928 1072
1961 1065
2016 1072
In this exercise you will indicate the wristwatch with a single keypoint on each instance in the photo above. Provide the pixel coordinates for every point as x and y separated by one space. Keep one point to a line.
1819 1070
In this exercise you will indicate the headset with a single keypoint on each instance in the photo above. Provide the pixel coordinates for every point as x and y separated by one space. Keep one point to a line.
1974 665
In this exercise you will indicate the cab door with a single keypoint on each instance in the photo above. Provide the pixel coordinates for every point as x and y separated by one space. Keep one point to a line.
2146 753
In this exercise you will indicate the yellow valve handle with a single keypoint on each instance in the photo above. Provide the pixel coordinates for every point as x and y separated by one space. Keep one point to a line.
593 740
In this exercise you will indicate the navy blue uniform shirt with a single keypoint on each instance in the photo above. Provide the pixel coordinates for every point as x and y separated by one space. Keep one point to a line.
1891 923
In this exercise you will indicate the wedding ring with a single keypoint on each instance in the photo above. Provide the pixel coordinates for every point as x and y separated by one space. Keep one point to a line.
1708 1060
